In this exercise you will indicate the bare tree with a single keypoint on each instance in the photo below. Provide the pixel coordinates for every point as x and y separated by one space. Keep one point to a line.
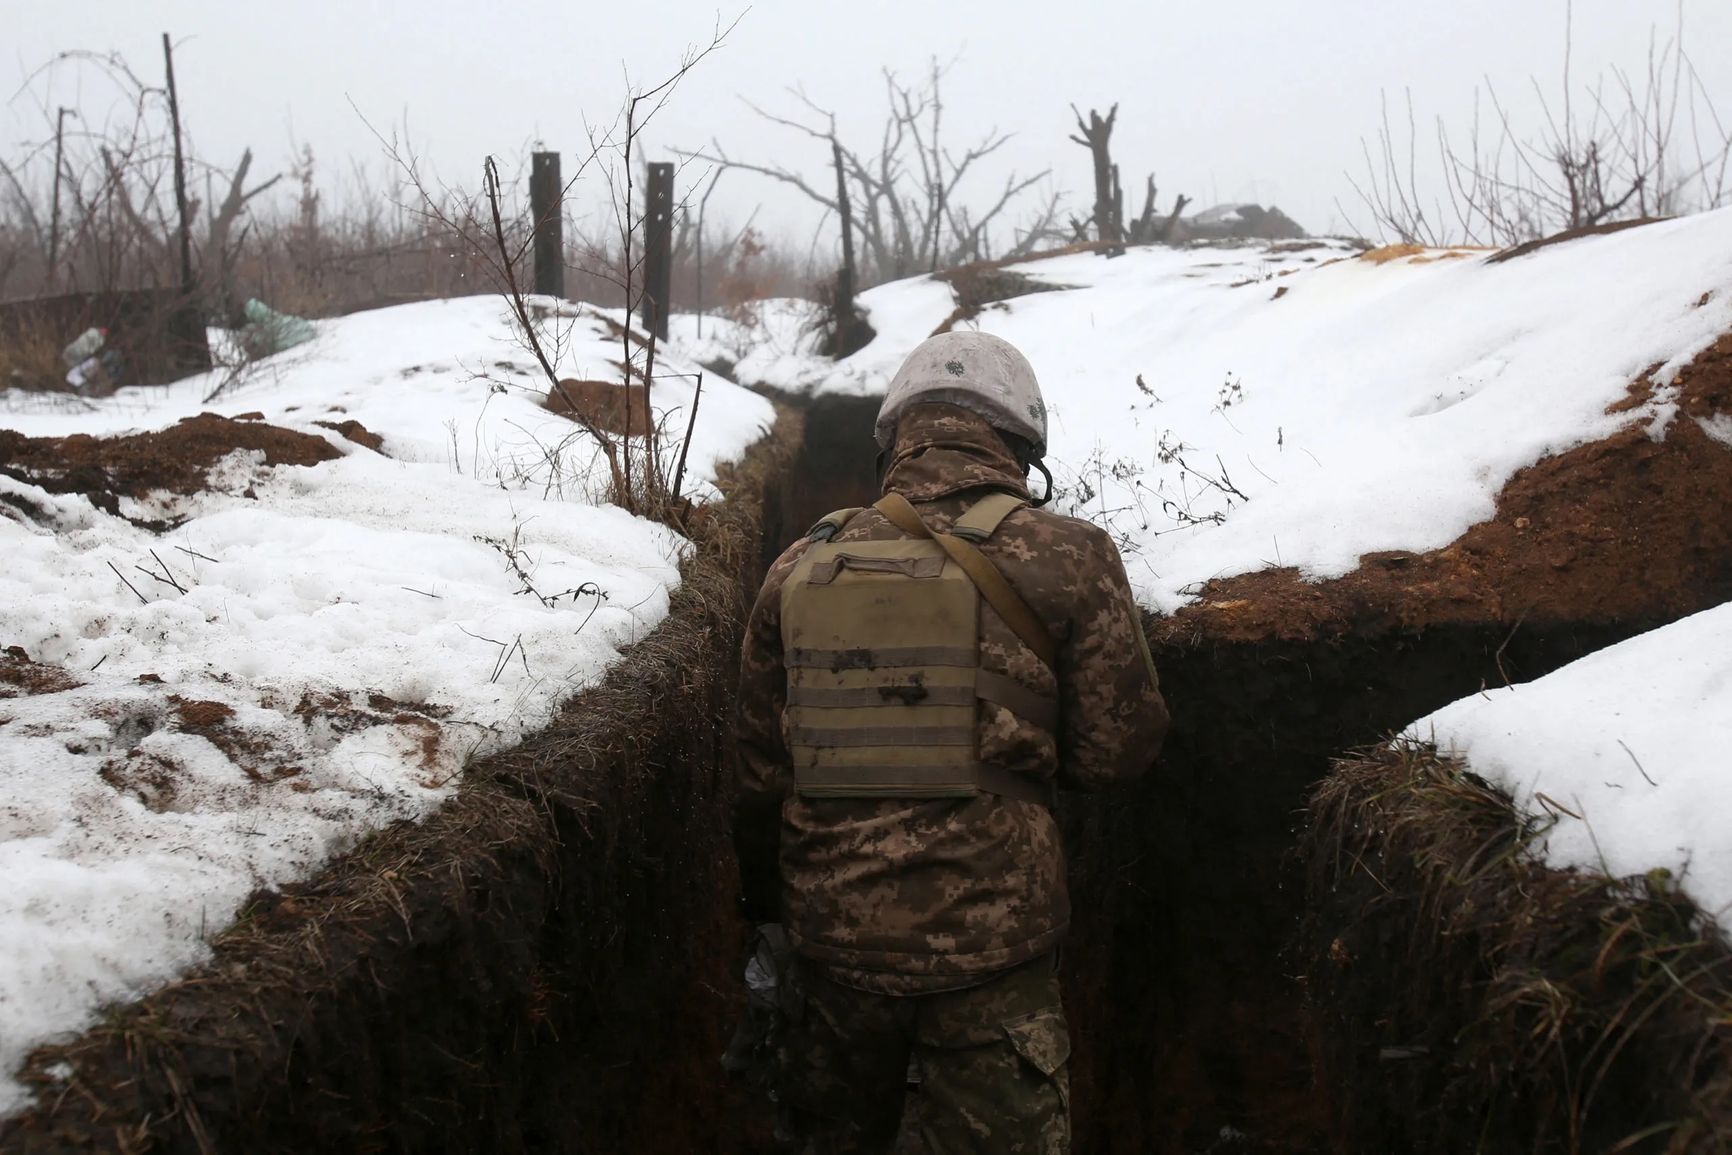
132 207
904 197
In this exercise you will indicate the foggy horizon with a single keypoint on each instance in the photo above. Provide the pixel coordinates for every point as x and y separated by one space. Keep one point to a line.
1271 106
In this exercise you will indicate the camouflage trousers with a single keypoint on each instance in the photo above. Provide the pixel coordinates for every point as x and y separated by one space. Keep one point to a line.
991 1061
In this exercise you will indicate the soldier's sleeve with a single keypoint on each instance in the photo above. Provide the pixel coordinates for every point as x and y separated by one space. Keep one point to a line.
765 774
1114 718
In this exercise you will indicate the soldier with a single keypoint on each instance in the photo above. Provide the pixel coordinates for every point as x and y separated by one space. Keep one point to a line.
917 677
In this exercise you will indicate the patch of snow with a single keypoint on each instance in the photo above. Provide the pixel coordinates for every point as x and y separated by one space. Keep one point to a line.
1719 427
376 593
771 342
1220 215
1632 740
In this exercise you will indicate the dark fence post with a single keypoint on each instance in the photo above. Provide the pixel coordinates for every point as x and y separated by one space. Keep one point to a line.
548 210
658 243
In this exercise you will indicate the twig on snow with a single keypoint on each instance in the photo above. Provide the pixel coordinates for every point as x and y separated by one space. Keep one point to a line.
142 599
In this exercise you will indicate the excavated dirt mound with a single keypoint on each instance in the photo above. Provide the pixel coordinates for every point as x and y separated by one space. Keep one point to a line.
610 406
354 431
176 459
1608 531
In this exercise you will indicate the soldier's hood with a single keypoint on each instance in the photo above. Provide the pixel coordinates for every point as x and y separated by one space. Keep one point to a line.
944 449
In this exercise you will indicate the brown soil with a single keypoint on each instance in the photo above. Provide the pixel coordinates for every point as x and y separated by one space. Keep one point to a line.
1705 385
607 405
1609 531
176 459
255 754
197 716
1523 250
20 677
356 432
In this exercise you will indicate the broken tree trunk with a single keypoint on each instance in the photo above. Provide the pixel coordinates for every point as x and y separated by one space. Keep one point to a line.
186 279
1095 136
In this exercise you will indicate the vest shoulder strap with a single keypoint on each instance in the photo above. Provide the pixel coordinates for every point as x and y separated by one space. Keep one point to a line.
983 517
831 524
1022 620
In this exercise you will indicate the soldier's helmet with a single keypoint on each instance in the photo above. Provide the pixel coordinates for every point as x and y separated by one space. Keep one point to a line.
976 371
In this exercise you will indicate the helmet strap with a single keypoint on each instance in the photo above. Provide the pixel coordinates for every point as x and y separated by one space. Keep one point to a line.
1037 502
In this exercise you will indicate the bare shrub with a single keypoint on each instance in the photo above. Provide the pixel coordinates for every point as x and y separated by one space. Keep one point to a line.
1626 148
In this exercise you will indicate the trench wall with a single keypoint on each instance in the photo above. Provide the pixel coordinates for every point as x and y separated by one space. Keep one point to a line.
1193 1024
545 964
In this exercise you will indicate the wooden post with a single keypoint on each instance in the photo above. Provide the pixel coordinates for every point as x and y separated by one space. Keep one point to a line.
658 247
186 279
54 217
548 210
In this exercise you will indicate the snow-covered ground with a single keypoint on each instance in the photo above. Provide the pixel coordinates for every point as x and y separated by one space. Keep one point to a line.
349 633
1303 406
771 342
1631 749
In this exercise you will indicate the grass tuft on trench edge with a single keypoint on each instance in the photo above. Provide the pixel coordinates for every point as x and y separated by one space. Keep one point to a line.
1475 1000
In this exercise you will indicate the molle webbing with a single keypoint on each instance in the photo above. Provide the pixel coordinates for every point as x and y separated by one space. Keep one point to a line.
881 640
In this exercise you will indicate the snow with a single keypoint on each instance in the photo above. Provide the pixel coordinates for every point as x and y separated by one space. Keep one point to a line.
1220 215
771 342
1629 747
1353 405
372 591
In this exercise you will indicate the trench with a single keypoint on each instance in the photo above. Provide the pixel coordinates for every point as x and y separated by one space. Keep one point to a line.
553 964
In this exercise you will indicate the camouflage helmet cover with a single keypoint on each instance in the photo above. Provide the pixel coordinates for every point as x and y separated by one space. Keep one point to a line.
976 371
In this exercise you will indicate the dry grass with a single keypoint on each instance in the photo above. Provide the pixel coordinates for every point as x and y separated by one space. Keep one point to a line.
30 359
1479 1001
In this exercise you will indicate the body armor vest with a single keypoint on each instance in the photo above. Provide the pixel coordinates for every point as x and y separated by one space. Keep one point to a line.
881 640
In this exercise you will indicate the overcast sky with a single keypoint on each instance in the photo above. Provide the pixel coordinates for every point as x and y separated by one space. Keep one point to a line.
1260 100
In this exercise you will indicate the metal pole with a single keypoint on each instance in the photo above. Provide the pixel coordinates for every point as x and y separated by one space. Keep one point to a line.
702 206
658 243
549 224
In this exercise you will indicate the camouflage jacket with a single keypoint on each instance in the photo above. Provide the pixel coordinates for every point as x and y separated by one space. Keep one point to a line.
906 895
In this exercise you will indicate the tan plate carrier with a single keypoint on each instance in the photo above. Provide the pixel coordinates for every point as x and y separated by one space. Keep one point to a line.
881 640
